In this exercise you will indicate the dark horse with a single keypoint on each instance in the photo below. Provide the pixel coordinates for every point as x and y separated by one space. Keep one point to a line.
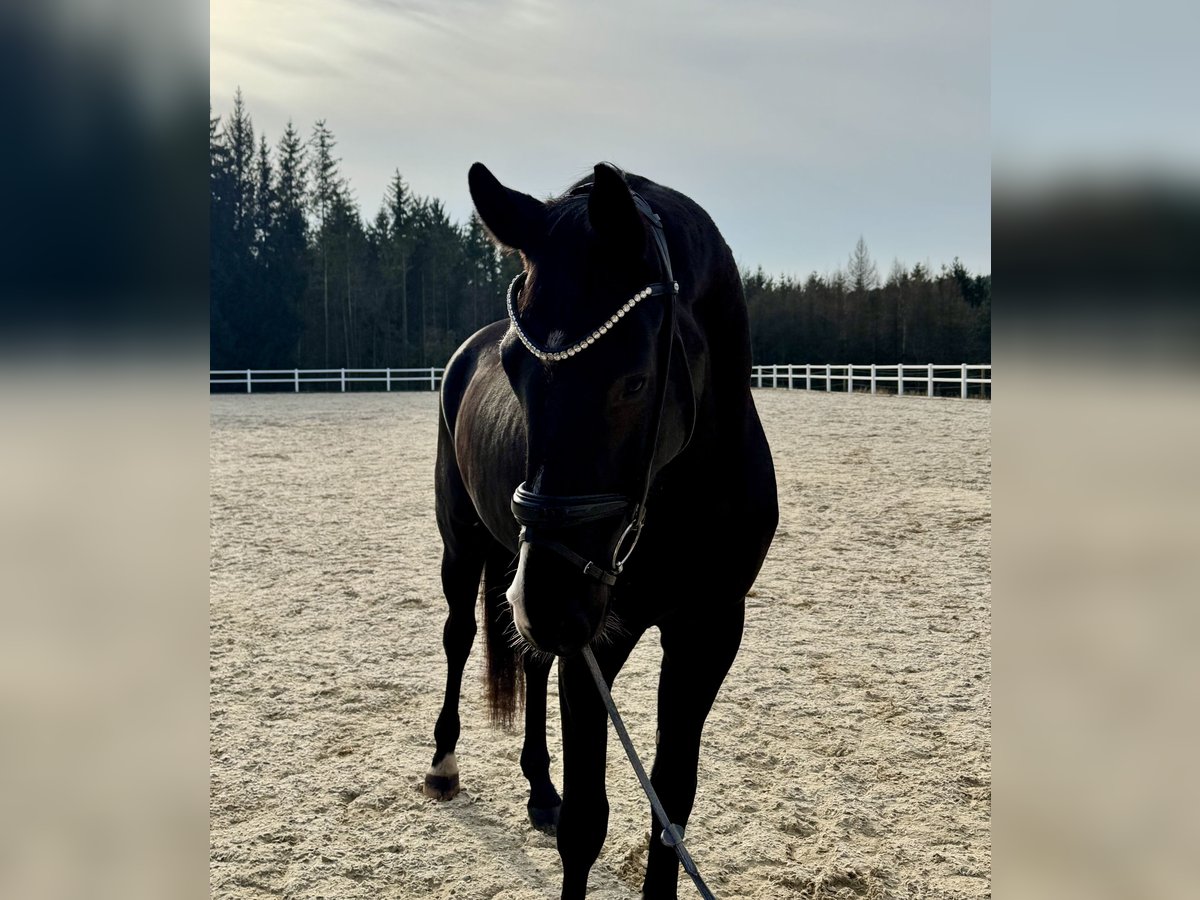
612 409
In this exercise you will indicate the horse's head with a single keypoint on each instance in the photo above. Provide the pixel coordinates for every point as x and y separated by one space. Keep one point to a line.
588 356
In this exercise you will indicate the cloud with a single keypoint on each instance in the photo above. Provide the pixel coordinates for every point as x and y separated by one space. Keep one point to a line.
804 125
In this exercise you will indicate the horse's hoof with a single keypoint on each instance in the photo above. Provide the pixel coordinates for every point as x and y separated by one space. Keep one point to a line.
442 781
544 818
441 787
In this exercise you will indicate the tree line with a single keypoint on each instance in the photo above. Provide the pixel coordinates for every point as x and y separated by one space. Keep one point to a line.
299 279
853 316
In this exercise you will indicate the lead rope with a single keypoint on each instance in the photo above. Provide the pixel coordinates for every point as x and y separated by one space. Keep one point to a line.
672 835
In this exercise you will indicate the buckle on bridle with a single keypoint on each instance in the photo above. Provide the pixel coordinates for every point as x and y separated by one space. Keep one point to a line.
635 525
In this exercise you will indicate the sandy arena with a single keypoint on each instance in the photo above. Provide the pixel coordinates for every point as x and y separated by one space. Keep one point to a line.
849 751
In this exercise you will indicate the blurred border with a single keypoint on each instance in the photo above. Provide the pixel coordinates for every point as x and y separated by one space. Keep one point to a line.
103 449
1096 225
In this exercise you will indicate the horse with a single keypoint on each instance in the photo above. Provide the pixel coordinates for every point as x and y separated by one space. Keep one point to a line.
605 438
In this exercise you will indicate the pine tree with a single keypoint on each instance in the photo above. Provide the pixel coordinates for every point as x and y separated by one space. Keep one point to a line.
260 299
347 245
382 313
234 276
397 256
264 196
861 271
222 248
239 136
325 191
484 271
863 278
291 232
894 289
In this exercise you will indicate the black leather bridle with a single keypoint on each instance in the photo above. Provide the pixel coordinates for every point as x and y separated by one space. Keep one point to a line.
544 516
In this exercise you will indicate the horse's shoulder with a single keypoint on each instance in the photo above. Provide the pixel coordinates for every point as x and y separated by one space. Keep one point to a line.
463 365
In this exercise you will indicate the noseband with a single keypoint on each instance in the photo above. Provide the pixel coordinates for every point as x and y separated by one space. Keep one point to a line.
542 516
545 512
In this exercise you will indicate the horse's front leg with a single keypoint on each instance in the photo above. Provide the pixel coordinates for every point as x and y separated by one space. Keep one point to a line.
462 565
697 654
544 802
583 822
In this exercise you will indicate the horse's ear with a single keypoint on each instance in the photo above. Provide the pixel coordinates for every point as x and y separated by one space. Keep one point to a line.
515 220
612 212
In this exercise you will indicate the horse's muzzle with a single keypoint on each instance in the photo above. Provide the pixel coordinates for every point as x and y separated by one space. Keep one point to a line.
552 610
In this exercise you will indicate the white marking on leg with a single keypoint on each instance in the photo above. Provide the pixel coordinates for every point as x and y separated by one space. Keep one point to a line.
447 767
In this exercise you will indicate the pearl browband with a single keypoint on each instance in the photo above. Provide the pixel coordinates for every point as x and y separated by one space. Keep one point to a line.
579 346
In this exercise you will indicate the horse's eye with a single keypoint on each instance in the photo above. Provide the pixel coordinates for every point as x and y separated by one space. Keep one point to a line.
634 384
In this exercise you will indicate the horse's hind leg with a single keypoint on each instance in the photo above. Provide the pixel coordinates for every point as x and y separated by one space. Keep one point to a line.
462 566
544 802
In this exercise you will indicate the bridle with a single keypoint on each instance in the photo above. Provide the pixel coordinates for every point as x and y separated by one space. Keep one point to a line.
542 516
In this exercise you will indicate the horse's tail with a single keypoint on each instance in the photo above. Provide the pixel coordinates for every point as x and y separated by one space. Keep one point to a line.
505 673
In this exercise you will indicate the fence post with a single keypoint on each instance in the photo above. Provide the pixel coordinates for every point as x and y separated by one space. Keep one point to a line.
872 378
432 379
247 381
929 393
296 379
849 379
343 381
388 379
900 380
808 376
964 381
828 377
791 367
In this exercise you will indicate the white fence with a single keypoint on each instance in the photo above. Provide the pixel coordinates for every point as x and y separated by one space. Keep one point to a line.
787 376
872 376
246 379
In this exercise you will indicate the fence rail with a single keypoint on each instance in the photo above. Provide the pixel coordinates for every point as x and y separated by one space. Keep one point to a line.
788 376
246 379
927 374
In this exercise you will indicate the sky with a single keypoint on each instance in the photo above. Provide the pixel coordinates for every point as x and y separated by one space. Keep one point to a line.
797 126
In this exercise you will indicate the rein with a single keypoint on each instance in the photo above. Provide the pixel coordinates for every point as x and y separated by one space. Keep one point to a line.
672 834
